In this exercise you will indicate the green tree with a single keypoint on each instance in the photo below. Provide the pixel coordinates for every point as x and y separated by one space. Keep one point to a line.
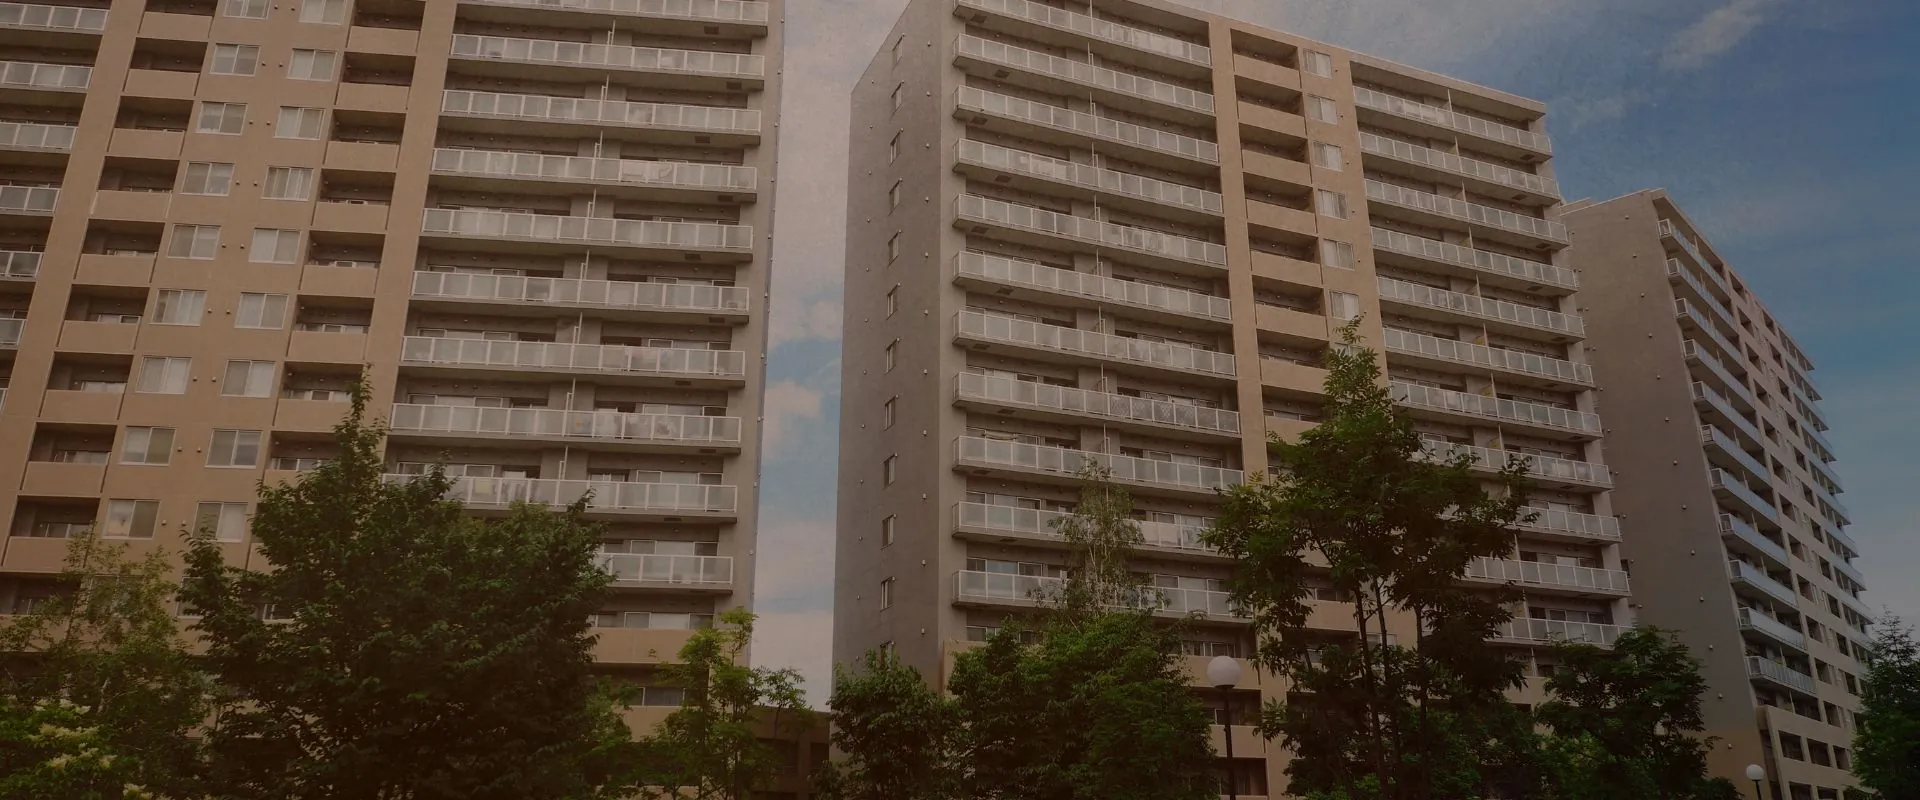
1397 525
401 649
898 737
1886 741
710 748
1100 533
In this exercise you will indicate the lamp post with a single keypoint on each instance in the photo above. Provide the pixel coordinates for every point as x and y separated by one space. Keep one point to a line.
1756 774
1224 673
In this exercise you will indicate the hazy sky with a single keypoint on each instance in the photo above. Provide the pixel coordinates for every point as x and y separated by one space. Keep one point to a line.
1786 128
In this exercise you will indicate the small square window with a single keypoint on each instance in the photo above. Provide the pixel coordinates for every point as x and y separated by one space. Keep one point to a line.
287 183
886 413
245 9
207 178
232 448
1327 156
1342 305
234 59
1317 63
131 519
249 379
325 12
194 241
301 123
887 529
164 375
889 470
274 246
223 118
225 522
150 446
1331 204
1321 109
179 306
258 310
312 65
1338 255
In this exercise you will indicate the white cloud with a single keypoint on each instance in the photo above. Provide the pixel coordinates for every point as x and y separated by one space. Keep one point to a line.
794 598
1721 30
801 318
787 403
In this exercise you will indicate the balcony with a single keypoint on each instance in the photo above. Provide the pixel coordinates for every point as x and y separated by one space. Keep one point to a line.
1003 588
1570 525
711 367
750 13
1734 387
1585 581
1678 271
1724 446
1743 532
1752 577
52 19
1132 190
742 124
1691 246
723 68
36 137
1452 121
694 301
1553 371
1704 395
978 105
1175 306
1077 406
1060 463
1056 74
627 177
1179 359
976 213
19 265
1561 473
1779 632
608 497
1527 630
1490 179
1498 314
10 331
512 226
1493 409
654 571
1485 220
1691 319
1479 264
1765 669
36 201
999 522
642 431
1729 486
47 77
1136 39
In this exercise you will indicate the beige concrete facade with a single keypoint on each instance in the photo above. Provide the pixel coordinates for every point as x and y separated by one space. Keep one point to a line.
1739 541
543 224
1128 230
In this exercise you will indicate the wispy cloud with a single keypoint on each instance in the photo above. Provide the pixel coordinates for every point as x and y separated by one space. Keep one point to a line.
1721 30
805 318
787 403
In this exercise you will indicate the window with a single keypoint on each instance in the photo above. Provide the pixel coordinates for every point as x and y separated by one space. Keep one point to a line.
893 196
287 183
301 123
1326 156
1317 63
325 12
893 148
274 246
234 59
899 96
1321 109
1338 255
163 375
207 178
249 378
1343 306
889 470
886 594
224 118
194 241
312 65
234 449
896 48
1331 204
886 413
886 529
131 519
152 446
891 348
225 522
245 9
179 307
261 311
893 248
893 300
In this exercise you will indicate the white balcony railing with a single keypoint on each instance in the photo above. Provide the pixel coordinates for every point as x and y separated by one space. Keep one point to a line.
1686 311
1768 669
642 568
1548 631
609 56
1539 466
1743 572
540 166
1481 307
554 423
608 496
1737 387
1478 260
1733 525
1466 212
20 265
1464 123
1062 19
1720 479
1480 355
1042 523
1087 176
1727 444
1495 408
564 357
1065 399
1070 462
1775 629
36 136
1126 133
1083 73
1687 243
1704 393
1086 284
1039 589
1572 523
635 295
487 223
34 75
1090 231
748 11
1679 269
1557 576
1458 165
28 199
53 18
1167 355
546 108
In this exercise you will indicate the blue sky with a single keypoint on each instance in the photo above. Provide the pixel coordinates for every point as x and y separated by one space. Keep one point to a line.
1785 128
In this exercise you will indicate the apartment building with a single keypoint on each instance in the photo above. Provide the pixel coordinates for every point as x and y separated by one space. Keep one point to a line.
1726 483
1125 231
542 224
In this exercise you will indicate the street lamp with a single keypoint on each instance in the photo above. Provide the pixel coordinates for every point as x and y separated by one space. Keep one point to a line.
1224 673
1756 774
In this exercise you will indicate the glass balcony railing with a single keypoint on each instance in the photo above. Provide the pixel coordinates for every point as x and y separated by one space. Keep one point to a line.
20 265
1556 576
748 11
1042 523
1465 211
1720 479
33 75
1743 572
1778 631
553 423
52 18
613 496
539 166
635 295
1465 167
972 99
1090 231
1727 444
637 568
1070 462
36 136
1572 523
487 223
1539 466
28 199
1483 356
1062 19
1083 73
1087 176
609 56
1086 284
545 108
1548 631
1768 669
1166 355
1739 528
564 357
1042 589
1481 307
1478 260
1494 408
1464 123
1117 407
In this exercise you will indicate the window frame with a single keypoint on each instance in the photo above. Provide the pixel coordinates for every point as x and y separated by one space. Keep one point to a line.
313 57
247 379
147 434
221 509
301 115
266 301
305 184
168 364
133 513
227 119
159 315
233 448
280 237
242 55
209 170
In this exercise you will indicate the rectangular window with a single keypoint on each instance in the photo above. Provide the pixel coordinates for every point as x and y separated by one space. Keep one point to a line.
249 378
1326 156
244 9
261 311
232 448
893 300
896 48
153 446
1338 255
893 149
131 519
889 470
899 96
891 347
1317 63
325 12
1321 109
223 118
274 246
887 529
234 59
886 594
179 306
164 375
287 183
301 123
1343 306
1331 204
886 413
312 65
194 241
208 178
893 196
225 522
893 248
